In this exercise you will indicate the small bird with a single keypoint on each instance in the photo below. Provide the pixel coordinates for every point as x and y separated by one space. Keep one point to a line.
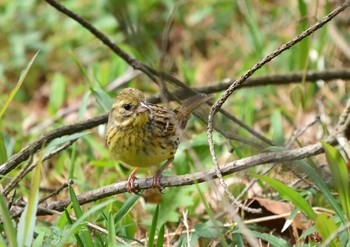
142 134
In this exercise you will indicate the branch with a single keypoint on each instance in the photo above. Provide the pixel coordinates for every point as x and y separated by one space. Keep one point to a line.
199 177
234 84
35 146
277 80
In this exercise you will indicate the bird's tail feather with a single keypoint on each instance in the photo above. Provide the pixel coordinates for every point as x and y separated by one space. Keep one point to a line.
192 103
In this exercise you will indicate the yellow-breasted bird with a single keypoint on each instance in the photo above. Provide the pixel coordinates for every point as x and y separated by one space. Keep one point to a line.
141 134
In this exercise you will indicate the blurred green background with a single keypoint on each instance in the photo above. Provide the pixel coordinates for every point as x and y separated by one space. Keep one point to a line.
208 41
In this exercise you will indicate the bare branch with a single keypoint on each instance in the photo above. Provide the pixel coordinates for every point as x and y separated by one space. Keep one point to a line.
199 177
275 80
47 138
26 169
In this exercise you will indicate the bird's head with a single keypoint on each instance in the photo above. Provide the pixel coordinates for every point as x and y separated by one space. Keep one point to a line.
130 109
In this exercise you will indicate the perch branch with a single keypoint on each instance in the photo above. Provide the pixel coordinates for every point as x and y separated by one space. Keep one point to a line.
199 177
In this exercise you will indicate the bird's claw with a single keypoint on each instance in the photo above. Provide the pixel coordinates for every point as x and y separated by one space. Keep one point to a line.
131 185
156 182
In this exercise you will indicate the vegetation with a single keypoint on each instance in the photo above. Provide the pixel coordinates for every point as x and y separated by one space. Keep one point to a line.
286 176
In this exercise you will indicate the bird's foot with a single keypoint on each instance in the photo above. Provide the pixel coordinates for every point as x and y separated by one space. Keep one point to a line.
131 183
156 181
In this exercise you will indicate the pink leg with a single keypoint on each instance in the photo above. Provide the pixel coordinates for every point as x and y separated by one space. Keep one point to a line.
131 180
158 176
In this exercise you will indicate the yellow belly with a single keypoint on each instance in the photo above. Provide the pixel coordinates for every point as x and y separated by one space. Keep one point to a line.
139 149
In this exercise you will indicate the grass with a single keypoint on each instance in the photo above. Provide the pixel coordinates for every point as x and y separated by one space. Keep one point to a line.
208 42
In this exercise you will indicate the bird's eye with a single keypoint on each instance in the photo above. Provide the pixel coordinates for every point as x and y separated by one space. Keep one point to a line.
127 107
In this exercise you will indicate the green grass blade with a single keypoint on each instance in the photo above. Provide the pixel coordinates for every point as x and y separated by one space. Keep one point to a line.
321 184
211 214
291 195
340 176
160 240
62 140
57 92
27 221
153 229
83 106
8 224
70 222
73 158
304 44
9 98
39 240
326 226
76 206
81 68
126 208
271 239
85 234
78 223
103 99
111 231
3 154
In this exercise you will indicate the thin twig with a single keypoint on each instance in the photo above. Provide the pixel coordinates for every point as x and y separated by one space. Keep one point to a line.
218 104
24 154
301 131
30 167
56 192
270 167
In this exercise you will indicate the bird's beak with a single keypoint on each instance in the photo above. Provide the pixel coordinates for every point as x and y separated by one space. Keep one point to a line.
143 108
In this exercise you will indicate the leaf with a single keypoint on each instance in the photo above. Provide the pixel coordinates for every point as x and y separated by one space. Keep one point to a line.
38 242
320 183
153 227
62 140
77 224
126 207
277 128
290 195
160 240
297 96
81 67
83 106
172 200
70 222
57 92
27 221
62 220
271 239
111 231
103 99
3 154
340 176
209 230
7 221
18 85
85 234
326 226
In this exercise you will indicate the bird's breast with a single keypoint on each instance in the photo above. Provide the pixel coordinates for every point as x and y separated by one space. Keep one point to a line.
142 146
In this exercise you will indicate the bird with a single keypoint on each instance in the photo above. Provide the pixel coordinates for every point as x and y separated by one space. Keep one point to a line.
141 134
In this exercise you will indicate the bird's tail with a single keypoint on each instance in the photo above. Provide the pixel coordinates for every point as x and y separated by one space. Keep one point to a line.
184 111
192 103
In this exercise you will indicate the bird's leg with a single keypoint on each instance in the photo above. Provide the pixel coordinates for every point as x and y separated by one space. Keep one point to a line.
158 176
131 180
